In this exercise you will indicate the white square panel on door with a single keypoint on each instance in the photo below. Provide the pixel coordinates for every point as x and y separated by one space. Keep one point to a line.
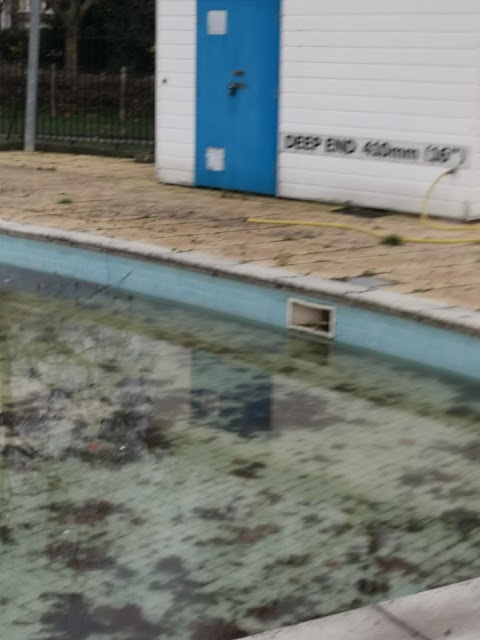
217 23
215 159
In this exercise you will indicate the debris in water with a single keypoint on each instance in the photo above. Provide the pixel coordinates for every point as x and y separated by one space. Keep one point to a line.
71 618
89 513
6 535
79 558
216 629
171 564
246 535
249 471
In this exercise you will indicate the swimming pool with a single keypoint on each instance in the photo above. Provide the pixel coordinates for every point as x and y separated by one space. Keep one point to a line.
171 473
421 331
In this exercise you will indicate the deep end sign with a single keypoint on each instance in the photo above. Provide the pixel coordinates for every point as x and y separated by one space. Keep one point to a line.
377 149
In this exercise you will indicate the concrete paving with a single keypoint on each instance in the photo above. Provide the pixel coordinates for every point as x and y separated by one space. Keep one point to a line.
120 198
450 612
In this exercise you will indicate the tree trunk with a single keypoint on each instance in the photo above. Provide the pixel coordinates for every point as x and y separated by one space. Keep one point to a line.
71 48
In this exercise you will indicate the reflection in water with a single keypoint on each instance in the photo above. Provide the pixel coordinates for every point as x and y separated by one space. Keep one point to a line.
168 474
229 395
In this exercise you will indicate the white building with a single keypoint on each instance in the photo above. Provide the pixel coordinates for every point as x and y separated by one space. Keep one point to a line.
18 9
366 101
5 16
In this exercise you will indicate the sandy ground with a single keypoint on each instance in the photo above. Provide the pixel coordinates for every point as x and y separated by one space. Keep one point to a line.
121 198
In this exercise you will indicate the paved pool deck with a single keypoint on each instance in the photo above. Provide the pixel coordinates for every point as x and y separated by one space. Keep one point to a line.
122 199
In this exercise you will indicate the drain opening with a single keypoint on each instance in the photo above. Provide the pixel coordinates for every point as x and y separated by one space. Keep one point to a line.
318 319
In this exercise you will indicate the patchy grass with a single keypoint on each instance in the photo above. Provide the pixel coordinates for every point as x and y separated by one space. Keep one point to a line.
283 258
394 240
65 201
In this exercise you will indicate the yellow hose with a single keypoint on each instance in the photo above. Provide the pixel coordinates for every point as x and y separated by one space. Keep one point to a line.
424 219
366 230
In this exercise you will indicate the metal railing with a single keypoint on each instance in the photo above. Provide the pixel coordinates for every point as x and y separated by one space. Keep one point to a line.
116 108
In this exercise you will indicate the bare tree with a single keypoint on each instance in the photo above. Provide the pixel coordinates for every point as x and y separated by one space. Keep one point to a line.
71 14
9 14
3 9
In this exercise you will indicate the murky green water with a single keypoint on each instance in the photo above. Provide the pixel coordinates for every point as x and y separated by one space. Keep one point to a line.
166 474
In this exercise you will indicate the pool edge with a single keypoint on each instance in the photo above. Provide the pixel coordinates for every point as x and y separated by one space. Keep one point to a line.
438 314
450 611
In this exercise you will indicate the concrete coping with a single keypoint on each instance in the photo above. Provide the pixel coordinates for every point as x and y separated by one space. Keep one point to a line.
451 613
419 309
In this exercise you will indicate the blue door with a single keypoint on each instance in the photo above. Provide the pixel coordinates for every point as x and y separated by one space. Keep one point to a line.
237 94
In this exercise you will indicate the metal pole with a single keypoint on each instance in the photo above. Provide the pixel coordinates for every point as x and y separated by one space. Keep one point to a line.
123 90
53 90
32 75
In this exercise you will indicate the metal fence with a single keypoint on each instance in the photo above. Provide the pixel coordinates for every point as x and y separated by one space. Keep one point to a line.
115 108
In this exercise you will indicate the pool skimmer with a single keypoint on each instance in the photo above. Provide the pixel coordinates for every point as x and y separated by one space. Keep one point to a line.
316 319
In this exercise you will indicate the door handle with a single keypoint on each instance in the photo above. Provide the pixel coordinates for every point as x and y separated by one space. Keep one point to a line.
233 87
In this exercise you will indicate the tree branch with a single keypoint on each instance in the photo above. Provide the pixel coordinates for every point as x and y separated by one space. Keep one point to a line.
76 9
56 5
85 6
4 6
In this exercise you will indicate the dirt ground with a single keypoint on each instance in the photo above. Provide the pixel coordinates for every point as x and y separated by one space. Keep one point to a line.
121 198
